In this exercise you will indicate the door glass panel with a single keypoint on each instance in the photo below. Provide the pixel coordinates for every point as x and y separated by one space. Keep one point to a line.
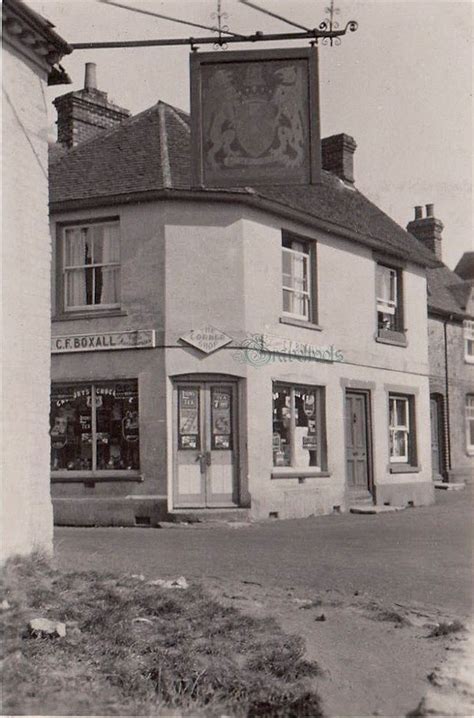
221 418
188 418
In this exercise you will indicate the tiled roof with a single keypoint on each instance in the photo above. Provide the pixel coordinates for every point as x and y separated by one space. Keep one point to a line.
447 292
465 266
151 151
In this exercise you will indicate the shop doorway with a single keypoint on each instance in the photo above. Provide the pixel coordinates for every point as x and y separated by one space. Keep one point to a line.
358 468
436 420
205 444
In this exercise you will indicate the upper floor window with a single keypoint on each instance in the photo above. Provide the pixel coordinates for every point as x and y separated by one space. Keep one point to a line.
91 266
402 429
389 299
469 340
470 423
297 278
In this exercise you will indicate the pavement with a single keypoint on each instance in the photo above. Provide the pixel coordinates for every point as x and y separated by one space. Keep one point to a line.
419 556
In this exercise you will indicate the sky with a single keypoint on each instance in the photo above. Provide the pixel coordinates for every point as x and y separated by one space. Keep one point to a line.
401 86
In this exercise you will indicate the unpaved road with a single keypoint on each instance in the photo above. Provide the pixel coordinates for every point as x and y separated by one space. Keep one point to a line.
418 555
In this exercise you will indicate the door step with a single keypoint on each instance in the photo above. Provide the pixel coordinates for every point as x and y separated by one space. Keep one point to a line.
454 486
208 516
366 509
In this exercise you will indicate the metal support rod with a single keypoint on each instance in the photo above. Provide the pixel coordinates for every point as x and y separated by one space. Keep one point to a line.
194 41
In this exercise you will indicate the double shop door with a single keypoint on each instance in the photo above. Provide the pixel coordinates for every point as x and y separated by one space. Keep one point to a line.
205 444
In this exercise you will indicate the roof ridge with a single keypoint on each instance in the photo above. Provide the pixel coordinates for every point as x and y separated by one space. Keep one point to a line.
177 114
164 150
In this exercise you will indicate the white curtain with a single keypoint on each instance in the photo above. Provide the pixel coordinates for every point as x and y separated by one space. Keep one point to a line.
110 256
75 256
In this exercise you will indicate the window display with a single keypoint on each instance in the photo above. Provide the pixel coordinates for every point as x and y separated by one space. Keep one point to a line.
188 423
297 426
95 427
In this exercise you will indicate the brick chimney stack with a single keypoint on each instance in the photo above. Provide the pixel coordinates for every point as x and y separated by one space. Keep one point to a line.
85 113
427 229
338 156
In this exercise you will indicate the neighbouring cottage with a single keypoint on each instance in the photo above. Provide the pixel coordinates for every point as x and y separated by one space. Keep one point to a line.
217 346
451 354
31 51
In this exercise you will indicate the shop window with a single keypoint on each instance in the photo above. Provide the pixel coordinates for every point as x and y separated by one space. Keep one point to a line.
91 266
470 423
298 285
389 300
298 426
468 328
94 427
402 429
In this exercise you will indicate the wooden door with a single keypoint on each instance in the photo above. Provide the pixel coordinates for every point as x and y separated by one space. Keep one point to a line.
205 444
435 436
357 459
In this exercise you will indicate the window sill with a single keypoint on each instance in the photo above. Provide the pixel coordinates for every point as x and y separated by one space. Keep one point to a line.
70 316
397 339
300 323
288 472
404 469
94 476
468 360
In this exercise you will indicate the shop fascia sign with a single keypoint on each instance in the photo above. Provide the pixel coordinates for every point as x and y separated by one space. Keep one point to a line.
136 339
207 339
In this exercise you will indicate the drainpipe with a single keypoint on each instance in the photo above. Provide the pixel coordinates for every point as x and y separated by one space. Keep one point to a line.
446 383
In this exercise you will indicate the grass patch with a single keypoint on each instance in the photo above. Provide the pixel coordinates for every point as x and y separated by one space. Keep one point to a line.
187 656
445 629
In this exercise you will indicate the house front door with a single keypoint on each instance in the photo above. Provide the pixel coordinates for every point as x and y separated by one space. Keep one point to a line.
436 437
357 445
205 444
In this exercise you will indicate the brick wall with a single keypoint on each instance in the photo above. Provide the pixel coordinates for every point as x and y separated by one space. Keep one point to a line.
85 113
460 383
26 252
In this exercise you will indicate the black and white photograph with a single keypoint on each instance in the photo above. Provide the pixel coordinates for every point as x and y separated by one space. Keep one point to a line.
237 438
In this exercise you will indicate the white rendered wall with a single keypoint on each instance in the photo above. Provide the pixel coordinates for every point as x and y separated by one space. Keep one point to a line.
26 252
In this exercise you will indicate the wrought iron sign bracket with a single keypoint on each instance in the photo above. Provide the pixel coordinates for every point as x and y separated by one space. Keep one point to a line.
328 31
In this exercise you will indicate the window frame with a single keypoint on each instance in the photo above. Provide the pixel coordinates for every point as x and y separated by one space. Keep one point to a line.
293 469
409 459
469 417
288 238
63 310
94 472
397 332
468 336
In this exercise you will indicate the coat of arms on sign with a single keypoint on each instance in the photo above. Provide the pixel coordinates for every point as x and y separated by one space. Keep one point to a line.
255 123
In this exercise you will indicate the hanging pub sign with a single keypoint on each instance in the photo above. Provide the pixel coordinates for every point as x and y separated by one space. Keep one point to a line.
255 117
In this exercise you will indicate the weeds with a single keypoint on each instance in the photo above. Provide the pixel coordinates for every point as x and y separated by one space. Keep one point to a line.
445 629
191 656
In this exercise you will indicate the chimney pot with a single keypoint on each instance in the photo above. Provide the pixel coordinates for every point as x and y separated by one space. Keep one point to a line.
90 78
430 210
418 212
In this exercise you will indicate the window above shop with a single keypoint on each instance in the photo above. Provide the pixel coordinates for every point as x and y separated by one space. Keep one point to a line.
402 429
95 427
90 267
299 278
299 436
468 329
389 299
